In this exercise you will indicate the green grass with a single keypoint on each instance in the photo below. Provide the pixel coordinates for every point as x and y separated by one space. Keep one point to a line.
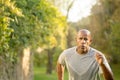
40 73
116 71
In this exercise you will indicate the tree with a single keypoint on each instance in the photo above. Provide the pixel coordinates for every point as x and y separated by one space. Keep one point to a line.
115 31
6 56
105 20
54 37
40 27
23 29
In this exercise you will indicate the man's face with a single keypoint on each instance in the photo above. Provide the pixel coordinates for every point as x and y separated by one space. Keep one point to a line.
83 41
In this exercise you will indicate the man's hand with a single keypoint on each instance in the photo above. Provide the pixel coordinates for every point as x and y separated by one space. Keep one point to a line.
99 58
106 72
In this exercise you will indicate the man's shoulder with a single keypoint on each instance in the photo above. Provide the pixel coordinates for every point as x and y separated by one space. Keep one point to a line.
70 49
66 54
96 50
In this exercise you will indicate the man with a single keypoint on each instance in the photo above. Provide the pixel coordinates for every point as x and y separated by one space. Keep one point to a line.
82 61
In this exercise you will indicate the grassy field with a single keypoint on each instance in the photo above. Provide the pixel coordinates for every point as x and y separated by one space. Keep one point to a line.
40 74
116 71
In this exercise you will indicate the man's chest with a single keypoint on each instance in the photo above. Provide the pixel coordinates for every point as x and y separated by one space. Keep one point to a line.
81 64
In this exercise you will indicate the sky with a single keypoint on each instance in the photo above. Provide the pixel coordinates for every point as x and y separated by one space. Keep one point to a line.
80 9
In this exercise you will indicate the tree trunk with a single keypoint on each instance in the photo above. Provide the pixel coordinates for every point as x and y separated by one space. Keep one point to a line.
25 66
49 64
22 70
7 69
50 53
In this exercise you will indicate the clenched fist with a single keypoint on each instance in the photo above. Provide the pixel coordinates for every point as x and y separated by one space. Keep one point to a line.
99 58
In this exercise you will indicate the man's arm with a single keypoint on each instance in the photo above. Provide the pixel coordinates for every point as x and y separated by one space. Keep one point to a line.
108 75
60 71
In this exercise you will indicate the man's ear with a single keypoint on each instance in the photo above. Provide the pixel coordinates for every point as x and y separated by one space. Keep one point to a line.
90 41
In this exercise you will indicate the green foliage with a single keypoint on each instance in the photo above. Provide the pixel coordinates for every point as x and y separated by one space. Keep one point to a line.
105 21
115 39
42 24
7 8
114 42
115 31
53 30
30 23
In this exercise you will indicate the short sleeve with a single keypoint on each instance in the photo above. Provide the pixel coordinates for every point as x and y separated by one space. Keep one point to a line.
61 59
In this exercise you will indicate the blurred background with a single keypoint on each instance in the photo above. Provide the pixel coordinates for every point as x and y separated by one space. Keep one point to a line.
33 33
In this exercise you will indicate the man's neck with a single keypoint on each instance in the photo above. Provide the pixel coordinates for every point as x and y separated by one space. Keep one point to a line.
79 51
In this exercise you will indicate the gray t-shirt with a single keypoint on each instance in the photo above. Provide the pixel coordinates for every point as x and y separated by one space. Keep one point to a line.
81 67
